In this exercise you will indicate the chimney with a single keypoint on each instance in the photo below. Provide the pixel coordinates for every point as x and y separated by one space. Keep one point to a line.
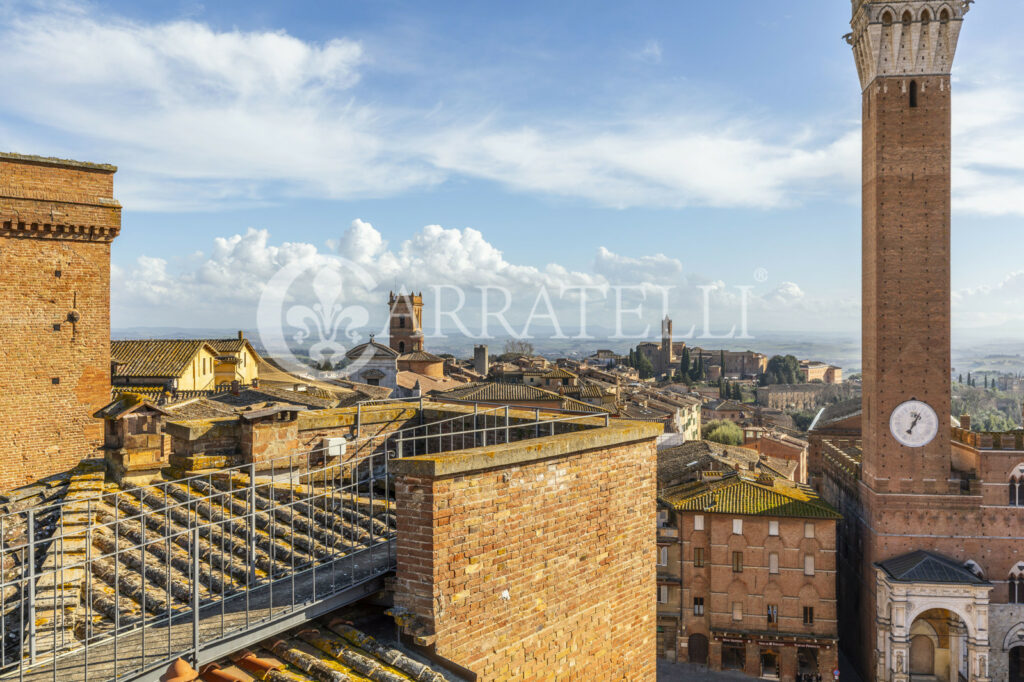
241 336
965 422
235 388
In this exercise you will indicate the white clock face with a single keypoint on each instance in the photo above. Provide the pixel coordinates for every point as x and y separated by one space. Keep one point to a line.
914 423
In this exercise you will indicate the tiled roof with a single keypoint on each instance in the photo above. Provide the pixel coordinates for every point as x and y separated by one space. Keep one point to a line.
420 356
559 373
315 525
372 349
155 357
928 567
335 648
837 412
264 394
498 392
227 345
742 494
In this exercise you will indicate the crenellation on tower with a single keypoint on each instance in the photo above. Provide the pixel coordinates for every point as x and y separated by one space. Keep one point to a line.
916 38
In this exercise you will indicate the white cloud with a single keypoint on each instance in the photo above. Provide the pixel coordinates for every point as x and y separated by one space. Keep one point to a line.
650 52
223 287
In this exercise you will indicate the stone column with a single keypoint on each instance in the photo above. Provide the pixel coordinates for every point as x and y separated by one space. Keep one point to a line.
957 638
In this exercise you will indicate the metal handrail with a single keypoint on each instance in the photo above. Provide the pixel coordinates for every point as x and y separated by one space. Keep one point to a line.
154 557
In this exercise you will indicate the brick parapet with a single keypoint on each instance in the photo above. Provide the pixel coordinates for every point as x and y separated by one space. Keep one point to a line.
535 557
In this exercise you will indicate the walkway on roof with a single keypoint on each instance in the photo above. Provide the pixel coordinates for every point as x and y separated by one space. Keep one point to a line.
226 626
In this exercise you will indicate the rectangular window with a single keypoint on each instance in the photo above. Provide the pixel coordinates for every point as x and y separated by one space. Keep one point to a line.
773 615
698 522
808 615
737 526
773 528
698 557
808 564
737 610
662 517
773 563
662 594
663 556
698 606
808 530
737 562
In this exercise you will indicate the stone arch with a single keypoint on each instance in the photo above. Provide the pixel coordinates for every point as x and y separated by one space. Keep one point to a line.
887 16
975 568
1014 637
923 628
940 605
926 16
945 14
907 17
697 648
1015 584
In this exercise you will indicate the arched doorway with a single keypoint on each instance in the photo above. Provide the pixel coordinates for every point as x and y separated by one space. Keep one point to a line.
1016 664
922 655
697 649
938 646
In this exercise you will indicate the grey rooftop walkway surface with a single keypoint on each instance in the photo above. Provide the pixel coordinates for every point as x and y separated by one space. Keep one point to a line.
224 627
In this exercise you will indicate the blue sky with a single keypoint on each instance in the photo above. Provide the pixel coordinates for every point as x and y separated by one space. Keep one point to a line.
648 143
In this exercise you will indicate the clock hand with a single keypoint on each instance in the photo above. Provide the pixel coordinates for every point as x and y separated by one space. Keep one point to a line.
917 418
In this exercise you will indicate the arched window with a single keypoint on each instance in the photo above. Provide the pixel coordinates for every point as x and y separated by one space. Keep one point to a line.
1016 492
401 346
907 18
1016 584
944 15
913 94
887 18
401 322
925 17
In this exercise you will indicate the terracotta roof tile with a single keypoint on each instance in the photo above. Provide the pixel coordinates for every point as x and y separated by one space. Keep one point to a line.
155 357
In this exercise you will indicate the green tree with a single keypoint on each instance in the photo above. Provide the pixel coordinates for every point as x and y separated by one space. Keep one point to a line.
644 366
684 364
723 431
960 379
783 369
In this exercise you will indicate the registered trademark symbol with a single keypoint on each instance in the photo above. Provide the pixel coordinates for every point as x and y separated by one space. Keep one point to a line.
761 275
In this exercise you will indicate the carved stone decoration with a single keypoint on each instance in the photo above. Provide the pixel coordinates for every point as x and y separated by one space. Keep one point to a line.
905 38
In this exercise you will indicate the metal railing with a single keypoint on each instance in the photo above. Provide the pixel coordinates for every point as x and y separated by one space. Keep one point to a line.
116 583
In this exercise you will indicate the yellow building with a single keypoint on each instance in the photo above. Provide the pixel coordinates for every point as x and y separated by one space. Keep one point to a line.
183 364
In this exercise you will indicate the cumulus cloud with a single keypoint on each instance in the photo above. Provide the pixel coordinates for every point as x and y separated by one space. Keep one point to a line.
650 52
223 287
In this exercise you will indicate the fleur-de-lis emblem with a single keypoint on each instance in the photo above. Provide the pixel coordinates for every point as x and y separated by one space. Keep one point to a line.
329 318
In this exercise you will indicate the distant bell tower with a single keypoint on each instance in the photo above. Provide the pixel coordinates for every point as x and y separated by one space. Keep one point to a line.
904 52
406 321
666 344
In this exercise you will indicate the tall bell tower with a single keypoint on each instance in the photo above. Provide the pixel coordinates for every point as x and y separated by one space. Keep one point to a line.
904 52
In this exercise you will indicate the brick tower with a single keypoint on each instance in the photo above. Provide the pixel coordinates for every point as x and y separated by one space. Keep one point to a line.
57 221
904 52
406 321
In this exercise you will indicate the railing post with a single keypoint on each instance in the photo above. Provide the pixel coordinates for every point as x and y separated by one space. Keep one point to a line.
195 597
506 424
31 539
607 417
399 443
536 422
251 495
359 418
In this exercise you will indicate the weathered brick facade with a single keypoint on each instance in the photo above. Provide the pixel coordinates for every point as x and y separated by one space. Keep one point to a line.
534 560
57 219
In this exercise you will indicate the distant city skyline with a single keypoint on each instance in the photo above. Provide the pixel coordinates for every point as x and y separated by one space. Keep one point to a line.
558 146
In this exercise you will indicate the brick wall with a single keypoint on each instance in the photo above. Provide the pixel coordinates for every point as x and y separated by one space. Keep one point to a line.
534 559
56 223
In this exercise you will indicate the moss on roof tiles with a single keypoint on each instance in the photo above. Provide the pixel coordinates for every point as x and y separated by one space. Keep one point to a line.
736 493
